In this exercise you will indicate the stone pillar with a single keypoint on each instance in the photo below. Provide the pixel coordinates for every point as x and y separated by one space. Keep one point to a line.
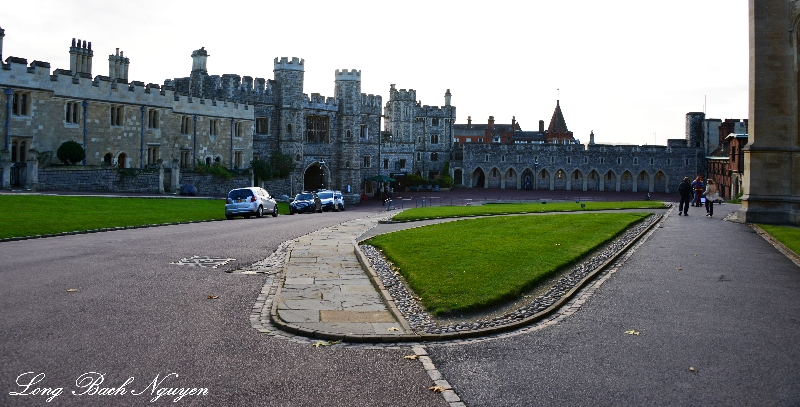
160 165
32 171
174 183
772 156
5 160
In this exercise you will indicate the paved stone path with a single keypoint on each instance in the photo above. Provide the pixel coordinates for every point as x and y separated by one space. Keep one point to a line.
326 289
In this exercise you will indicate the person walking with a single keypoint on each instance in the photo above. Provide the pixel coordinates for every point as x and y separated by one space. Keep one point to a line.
698 186
685 190
711 196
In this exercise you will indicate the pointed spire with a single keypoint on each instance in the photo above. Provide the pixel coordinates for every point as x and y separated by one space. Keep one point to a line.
557 123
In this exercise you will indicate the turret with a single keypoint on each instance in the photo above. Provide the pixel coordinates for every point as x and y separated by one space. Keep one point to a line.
348 91
80 57
694 129
199 57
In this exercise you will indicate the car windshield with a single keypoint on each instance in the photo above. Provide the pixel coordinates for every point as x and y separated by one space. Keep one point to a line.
240 193
325 195
303 197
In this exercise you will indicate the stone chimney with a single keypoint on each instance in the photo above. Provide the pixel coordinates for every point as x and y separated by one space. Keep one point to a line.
541 126
118 66
469 122
447 98
491 124
2 34
80 57
591 137
199 57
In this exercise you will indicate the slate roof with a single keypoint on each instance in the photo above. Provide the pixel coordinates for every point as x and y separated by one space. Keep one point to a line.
557 123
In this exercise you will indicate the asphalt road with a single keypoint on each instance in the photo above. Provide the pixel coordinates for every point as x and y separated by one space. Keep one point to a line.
136 315
702 293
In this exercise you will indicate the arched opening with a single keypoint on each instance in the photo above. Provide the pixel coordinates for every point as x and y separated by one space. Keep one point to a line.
478 178
543 181
511 179
527 179
643 182
560 180
660 182
208 161
314 178
610 181
122 160
593 181
626 183
107 159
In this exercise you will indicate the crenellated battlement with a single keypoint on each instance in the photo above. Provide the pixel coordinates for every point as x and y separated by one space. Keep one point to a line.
319 102
295 64
402 94
348 75
371 100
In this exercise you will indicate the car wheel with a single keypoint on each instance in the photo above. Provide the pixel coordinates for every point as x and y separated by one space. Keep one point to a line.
275 211
260 211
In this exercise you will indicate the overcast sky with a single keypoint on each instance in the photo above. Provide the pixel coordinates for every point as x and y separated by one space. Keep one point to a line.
628 69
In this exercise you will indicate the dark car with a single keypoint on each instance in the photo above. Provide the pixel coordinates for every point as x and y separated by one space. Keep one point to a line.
305 202
326 199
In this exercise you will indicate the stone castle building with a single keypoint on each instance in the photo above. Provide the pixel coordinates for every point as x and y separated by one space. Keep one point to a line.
335 141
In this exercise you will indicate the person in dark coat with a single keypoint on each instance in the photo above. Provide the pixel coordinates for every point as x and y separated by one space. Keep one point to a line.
685 190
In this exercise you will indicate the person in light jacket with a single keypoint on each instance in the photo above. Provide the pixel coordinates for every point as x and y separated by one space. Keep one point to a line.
711 196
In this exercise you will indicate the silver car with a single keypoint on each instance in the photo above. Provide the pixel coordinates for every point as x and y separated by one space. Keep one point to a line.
338 200
249 202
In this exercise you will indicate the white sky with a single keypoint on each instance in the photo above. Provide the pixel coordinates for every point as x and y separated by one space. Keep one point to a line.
629 70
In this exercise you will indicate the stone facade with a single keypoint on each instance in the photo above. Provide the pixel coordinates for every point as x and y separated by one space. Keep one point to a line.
771 158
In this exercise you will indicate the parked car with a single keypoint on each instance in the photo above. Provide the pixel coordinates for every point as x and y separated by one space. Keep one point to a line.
305 201
326 199
252 201
338 199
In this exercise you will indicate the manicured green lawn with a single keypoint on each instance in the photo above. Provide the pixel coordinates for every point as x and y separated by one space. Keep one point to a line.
500 209
789 236
469 264
31 215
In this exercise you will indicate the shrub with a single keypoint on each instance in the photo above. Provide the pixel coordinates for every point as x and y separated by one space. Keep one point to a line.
70 152
281 164
261 169
214 169
416 180
446 181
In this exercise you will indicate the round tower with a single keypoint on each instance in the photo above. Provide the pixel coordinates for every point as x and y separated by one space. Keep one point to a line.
694 129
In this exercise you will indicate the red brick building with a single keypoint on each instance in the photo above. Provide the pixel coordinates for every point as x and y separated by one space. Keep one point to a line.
726 162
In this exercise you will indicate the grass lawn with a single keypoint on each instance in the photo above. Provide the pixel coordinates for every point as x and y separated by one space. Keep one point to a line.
501 209
789 236
31 215
470 264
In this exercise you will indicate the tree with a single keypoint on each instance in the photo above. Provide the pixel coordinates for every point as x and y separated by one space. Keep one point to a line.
70 152
282 164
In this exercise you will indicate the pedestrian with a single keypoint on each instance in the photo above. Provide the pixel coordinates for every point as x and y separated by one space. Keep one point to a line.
685 190
698 186
711 195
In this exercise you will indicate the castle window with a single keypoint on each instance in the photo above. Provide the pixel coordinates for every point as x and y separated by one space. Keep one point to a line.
364 133
185 154
317 129
20 104
669 161
347 164
480 140
402 163
297 157
635 161
552 160
486 158
468 140
651 161
519 158
434 156
602 160
152 118
419 156
72 109
495 173
434 121
687 161
367 162
152 154
348 134
238 129
289 129
619 160
117 115
237 159
642 176
577 175
262 125
19 149
434 139
503 158
608 175
569 160
385 163
586 160
213 127
186 125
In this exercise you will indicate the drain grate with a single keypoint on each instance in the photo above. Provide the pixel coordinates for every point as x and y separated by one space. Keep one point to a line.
203 261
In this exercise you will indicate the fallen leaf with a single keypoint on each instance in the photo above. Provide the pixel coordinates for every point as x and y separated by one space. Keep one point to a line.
392 329
632 332
678 268
212 297
691 369
71 290
411 357
437 389
326 343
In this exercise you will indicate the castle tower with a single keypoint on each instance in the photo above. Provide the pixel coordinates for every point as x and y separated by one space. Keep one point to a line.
695 136
348 91
399 112
80 57
557 131
289 75
118 66
199 58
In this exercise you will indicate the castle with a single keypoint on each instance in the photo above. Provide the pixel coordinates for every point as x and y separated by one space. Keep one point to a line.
335 142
